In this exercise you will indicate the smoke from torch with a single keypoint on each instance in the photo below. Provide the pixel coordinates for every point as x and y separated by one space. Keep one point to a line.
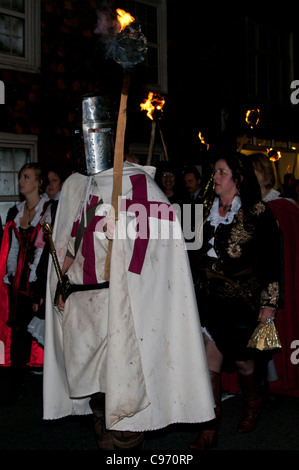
122 36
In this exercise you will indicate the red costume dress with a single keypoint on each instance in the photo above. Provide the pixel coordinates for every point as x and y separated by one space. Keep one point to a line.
287 321
16 256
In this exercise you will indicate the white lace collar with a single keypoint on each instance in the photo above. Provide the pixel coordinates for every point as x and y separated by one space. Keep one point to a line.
215 218
38 211
271 195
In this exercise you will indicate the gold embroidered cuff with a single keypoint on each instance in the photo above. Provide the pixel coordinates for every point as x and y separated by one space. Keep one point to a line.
270 296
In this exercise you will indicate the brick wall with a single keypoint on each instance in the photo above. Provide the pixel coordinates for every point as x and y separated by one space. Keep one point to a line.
72 64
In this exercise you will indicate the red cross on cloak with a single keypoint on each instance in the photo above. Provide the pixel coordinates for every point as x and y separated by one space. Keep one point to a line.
153 209
88 251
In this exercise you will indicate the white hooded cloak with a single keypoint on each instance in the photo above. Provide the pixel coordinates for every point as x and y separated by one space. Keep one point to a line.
139 341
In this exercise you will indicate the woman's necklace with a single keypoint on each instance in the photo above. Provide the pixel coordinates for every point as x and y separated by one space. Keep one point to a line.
30 210
225 206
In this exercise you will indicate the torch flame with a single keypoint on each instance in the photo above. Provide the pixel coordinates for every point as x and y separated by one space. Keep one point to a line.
252 117
153 103
124 18
203 140
273 155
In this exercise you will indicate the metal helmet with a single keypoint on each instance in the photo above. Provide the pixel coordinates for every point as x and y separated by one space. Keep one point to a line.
97 128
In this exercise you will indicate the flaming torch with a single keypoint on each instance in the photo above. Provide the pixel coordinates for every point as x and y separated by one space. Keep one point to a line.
252 118
154 107
208 195
127 47
202 142
274 156
124 18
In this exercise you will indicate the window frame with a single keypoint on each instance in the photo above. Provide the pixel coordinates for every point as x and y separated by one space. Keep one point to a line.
257 55
22 141
160 46
31 62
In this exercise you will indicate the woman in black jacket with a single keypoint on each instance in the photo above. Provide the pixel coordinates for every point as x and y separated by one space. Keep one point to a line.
236 279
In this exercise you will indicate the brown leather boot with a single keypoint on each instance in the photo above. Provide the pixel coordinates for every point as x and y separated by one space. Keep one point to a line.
103 436
252 396
208 437
128 440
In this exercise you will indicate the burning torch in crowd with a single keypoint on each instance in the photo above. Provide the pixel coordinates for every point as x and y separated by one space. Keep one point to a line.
274 156
203 144
127 46
252 118
154 107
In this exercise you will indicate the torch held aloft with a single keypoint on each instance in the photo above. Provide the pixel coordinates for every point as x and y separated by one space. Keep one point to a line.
152 143
118 160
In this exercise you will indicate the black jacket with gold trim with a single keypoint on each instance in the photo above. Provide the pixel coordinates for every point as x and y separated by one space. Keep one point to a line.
251 243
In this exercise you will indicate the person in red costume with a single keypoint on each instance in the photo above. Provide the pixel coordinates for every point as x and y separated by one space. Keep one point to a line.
16 273
287 216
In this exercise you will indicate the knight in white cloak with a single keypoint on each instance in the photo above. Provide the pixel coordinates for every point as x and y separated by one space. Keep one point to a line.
131 350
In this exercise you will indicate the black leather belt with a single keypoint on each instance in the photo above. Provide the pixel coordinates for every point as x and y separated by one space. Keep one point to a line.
84 287
66 288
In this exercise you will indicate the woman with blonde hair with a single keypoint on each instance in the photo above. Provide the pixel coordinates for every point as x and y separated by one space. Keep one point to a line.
265 174
16 289
287 217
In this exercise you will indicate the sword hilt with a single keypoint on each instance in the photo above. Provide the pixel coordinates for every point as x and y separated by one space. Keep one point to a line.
47 229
